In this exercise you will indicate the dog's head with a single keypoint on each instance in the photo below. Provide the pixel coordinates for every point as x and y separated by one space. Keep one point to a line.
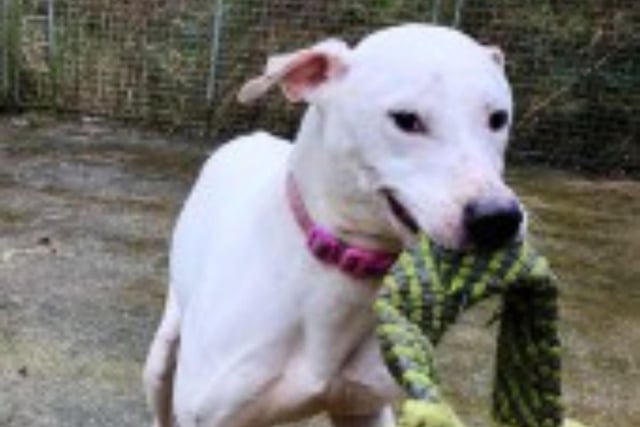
421 115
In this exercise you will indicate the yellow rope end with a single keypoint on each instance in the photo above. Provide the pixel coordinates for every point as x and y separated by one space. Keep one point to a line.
417 413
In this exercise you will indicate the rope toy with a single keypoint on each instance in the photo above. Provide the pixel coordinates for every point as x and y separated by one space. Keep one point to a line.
424 294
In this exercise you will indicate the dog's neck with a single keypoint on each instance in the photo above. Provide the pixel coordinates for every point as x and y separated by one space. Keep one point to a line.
329 187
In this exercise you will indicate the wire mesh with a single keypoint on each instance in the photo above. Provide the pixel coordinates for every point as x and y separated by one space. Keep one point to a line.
575 67
145 61
174 65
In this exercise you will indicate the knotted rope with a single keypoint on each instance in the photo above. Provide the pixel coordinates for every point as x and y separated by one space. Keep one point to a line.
424 294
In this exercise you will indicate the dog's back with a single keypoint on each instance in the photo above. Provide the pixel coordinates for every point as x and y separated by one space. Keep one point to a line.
229 183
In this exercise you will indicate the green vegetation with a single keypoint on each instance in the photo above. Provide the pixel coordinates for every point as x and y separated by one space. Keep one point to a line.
10 13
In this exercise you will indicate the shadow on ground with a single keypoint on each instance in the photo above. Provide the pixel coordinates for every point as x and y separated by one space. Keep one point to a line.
85 214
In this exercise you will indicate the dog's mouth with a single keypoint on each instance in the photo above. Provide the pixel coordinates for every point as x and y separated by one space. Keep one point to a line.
400 212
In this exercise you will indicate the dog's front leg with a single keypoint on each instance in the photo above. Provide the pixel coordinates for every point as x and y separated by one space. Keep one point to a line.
233 400
382 418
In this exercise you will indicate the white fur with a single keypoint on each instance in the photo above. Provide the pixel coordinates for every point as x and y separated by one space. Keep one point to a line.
267 333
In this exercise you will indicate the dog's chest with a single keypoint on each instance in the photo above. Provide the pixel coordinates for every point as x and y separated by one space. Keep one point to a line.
341 353
313 382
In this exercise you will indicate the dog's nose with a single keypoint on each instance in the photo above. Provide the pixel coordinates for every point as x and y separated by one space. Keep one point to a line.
490 224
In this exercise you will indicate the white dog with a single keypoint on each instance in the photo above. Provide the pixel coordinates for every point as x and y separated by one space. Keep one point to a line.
280 248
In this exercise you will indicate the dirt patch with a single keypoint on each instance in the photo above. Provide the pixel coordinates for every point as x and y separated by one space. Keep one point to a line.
85 213
84 220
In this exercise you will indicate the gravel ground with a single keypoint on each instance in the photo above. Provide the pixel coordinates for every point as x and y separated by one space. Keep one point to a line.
85 213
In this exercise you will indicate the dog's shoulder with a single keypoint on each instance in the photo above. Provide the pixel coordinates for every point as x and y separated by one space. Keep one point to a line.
246 156
252 145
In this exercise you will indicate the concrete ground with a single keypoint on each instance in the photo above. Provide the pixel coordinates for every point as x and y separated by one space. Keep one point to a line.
85 213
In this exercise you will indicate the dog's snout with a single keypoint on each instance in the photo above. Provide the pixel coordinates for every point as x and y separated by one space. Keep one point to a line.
490 224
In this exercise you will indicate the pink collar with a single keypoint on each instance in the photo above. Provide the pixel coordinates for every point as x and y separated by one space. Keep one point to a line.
330 249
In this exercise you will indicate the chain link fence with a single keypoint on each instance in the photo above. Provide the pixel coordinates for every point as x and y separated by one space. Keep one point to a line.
176 65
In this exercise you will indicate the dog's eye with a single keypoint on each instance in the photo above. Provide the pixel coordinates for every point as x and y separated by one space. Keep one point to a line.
408 122
498 120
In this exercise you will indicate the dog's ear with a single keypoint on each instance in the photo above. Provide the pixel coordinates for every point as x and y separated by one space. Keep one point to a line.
300 74
496 55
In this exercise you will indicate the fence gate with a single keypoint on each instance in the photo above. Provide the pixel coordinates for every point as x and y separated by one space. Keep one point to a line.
574 65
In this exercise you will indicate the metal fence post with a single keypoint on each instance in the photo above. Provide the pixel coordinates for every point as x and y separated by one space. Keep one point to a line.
435 11
50 31
214 53
214 59
54 70
457 18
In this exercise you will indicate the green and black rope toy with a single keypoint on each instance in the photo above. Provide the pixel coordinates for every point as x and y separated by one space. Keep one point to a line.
423 295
